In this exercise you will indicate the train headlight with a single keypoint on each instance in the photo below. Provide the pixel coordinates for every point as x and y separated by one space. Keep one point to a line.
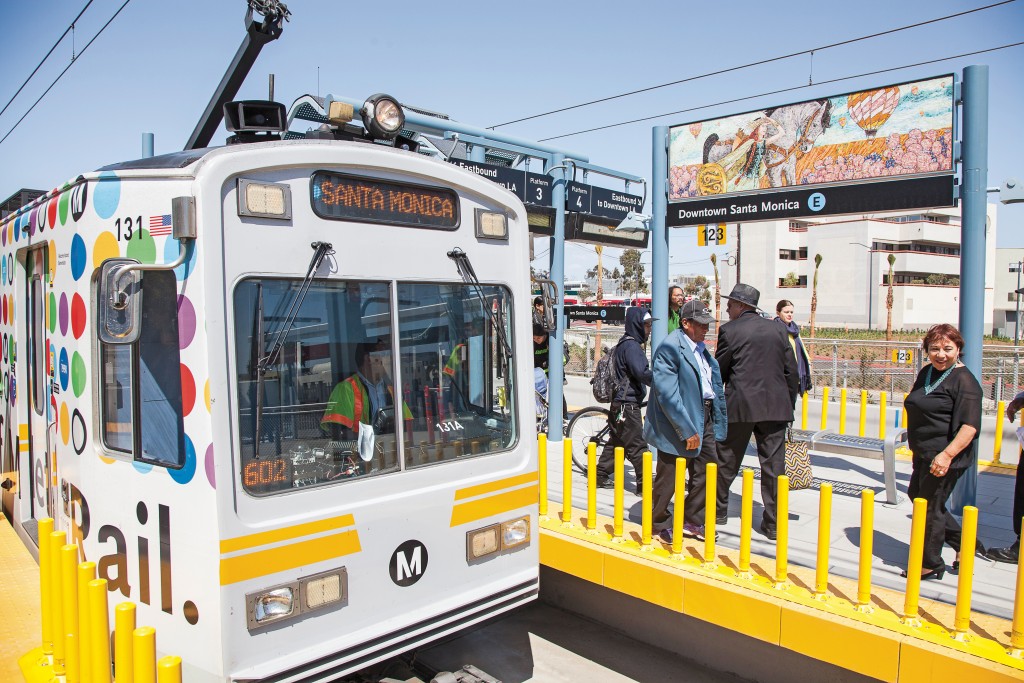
325 589
482 542
491 224
264 200
273 605
383 116
515 532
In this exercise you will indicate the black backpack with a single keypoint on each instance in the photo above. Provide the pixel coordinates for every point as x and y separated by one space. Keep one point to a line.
606 382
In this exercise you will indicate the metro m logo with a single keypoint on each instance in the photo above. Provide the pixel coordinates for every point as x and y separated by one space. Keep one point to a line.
408 563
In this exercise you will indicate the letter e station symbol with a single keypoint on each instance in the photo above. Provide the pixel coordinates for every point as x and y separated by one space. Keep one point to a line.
816 202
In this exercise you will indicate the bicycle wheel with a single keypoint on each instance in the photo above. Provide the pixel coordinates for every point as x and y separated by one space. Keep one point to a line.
586 426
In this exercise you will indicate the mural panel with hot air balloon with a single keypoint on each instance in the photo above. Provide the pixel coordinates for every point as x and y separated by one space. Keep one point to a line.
901 130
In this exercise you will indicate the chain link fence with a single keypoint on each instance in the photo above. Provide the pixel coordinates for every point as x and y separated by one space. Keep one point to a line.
870 365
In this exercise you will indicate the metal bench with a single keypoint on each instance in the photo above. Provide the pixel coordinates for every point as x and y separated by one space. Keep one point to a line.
861 447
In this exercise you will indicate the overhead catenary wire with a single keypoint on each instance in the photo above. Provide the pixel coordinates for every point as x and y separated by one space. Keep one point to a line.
61 74
71 27
753 63
783 90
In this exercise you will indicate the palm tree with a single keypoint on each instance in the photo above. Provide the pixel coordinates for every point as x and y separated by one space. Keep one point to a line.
888 301
814 291
718 299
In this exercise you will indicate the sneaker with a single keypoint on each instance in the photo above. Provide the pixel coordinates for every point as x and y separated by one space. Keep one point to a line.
1008 554
723 519
695 531
771 532
605 483
666 536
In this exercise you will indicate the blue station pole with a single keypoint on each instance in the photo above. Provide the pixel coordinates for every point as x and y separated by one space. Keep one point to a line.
974 182
555 373
659 233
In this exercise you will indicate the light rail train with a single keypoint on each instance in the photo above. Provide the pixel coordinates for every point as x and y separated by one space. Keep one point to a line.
263 388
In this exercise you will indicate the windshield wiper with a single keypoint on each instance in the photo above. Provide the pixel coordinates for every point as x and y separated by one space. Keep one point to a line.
469 275
320 251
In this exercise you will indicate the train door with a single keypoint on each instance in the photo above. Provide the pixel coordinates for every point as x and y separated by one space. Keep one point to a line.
39 369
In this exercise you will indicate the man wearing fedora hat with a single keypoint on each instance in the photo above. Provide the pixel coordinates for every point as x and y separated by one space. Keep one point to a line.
761 385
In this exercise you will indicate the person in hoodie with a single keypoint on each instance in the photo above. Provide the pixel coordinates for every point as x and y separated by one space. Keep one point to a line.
624 417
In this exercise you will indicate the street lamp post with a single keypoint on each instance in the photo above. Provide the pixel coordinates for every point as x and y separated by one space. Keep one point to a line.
1016 268
871 281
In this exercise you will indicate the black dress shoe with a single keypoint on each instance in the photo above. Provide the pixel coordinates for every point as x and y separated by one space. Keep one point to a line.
1008 554
770 531
933 575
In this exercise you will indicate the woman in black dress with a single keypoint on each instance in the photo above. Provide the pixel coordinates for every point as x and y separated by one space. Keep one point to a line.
943 422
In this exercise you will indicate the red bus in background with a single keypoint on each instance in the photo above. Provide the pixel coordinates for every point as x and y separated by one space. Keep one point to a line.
570 301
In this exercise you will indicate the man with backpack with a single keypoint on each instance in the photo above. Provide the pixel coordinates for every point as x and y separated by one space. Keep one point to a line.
632 375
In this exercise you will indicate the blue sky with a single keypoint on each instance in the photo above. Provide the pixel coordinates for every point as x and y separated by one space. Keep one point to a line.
155 66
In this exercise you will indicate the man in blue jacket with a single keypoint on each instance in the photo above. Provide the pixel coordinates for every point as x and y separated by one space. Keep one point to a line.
624 417
685 417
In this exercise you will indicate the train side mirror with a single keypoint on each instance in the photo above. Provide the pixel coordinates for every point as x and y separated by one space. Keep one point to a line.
118 302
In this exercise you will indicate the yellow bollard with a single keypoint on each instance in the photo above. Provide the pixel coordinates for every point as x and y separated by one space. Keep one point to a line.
566 482
620 475
968 541
824 408
542 470
99 632
882 407
824 531
69 591
44 530
168 670
997 450
867 541
124 624
1017 629
782 529
710 510
144 654
646 502
86 573
803 411
842 410
57 539
863 413
72 666
679 513
591 486
914 562
903 413
746 520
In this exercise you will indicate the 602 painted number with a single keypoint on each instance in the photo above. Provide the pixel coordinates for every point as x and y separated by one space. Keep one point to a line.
128 227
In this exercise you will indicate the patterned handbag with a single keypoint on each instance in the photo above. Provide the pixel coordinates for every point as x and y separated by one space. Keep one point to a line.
798 463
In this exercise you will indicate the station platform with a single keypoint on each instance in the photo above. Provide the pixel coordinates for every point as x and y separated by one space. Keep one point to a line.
20 620
757 608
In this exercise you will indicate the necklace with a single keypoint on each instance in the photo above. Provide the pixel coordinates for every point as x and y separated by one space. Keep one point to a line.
928 386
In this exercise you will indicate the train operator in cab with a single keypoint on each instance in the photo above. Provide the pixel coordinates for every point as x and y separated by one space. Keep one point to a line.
365 397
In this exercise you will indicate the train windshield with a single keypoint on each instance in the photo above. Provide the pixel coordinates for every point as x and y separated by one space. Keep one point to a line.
336 400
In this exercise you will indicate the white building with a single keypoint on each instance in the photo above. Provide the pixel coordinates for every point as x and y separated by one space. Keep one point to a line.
777 257
1005 299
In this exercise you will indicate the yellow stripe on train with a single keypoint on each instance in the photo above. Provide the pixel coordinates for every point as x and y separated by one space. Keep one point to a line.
287 533
291 556
480 489
494 505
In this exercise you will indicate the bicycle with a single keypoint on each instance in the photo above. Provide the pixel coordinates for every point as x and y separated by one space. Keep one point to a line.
589 425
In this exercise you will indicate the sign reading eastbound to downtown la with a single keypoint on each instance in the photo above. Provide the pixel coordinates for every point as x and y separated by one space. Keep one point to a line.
885 149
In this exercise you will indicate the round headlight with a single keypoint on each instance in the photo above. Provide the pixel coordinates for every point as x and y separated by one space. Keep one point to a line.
383 116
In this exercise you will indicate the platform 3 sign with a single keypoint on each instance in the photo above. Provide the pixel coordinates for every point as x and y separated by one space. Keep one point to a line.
615 315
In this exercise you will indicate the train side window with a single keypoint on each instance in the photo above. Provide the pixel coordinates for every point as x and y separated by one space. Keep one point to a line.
142 382
455 354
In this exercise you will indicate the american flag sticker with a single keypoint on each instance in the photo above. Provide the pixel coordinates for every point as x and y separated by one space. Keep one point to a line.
160 226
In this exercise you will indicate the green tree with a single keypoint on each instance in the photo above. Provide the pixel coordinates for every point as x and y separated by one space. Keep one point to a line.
699 288
814 291
592 273
633 280
791 280
585 293
889 301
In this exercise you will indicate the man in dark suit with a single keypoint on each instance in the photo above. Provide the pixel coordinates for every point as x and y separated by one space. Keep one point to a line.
761 385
